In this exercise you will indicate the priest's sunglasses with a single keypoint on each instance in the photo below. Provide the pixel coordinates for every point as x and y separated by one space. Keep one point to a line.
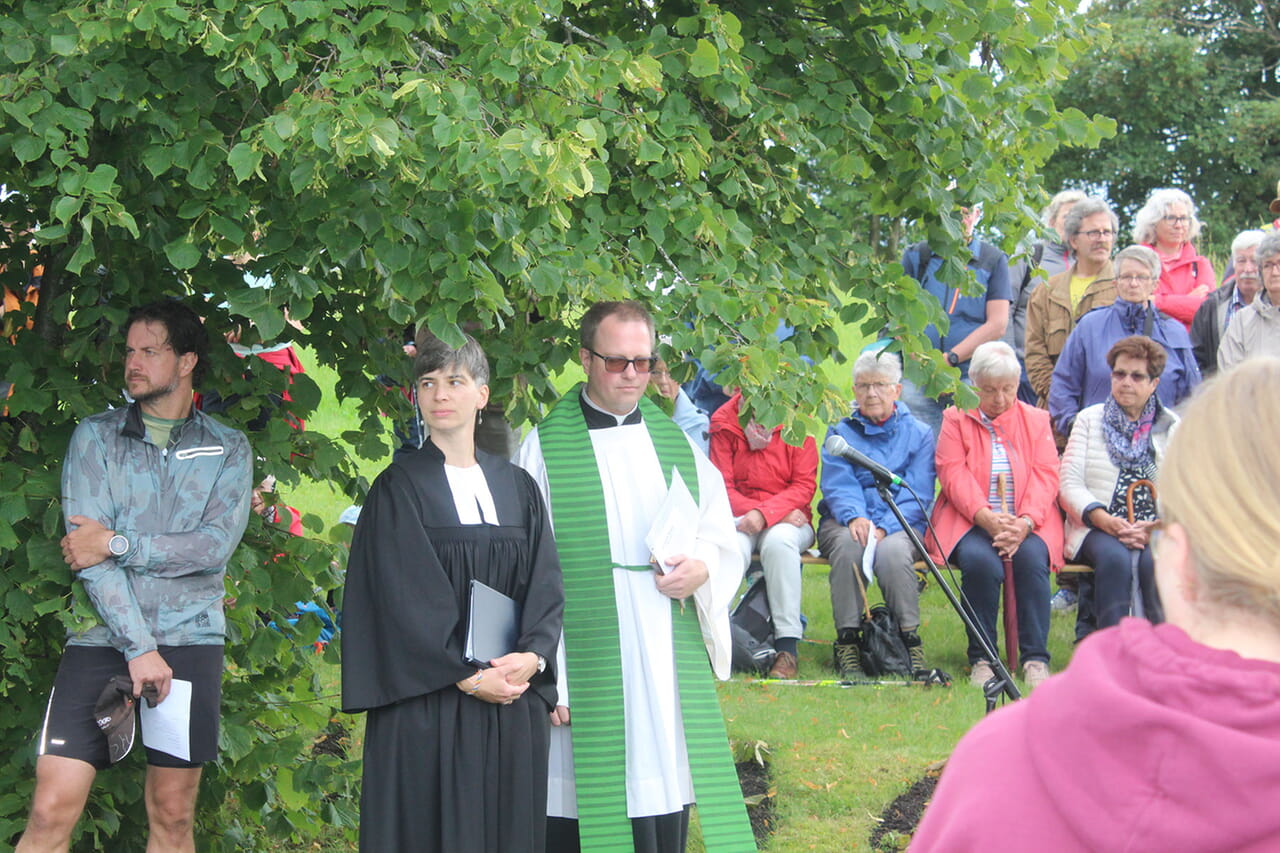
617 364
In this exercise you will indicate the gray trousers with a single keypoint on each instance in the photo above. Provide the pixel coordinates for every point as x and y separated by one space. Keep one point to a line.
780 547
894 570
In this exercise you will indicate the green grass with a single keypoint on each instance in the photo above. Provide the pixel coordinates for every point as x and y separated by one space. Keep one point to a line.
838 756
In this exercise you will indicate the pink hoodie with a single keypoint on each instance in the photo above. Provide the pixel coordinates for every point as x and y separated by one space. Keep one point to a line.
1148 741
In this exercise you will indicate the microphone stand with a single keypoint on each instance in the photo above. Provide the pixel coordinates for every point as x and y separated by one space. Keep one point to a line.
1002 681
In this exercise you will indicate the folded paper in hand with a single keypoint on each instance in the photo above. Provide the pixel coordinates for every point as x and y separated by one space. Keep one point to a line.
675 527
493 625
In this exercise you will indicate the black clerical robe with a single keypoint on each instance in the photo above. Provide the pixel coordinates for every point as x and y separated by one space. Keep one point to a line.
444 771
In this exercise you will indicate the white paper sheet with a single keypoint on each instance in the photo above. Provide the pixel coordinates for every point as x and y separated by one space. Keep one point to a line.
675 527
167 726
869 557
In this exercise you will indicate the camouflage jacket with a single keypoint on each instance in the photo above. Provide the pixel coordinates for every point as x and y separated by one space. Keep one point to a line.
183 509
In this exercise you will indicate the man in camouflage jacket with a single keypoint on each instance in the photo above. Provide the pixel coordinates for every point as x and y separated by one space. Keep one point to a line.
156 498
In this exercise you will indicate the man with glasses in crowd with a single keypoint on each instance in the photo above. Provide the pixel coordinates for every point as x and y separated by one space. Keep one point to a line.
1255 329
1088 283
605 458
156 496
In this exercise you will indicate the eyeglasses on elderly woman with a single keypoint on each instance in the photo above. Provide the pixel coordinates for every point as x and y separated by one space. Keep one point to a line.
1135 375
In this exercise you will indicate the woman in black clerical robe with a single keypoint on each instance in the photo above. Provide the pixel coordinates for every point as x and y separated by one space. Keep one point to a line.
455 756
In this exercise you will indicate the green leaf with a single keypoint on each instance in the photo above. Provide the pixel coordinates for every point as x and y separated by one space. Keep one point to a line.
705 59
243 160
182 253
63 44
102 179
28 148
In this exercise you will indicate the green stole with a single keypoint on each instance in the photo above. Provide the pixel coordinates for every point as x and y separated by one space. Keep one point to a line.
594 655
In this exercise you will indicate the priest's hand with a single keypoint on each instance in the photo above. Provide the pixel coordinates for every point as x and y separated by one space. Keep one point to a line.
683 578
560 716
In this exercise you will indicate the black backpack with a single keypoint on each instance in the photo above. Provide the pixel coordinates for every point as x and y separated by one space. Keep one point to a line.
883 652
751 629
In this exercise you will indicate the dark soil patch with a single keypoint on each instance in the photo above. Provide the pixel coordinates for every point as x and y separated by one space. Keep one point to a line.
754 778
333 741
902 816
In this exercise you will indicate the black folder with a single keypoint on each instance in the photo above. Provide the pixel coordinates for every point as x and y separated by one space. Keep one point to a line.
493 625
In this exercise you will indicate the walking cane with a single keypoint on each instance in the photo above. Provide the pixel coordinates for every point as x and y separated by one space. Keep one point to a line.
1010 600
1136 607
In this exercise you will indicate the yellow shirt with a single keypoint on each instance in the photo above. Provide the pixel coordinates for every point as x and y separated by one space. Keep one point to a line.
1079 284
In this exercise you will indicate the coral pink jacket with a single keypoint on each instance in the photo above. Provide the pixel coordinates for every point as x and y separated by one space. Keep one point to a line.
964 470
1178 278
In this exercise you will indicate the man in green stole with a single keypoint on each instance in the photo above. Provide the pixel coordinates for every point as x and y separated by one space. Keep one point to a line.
646 738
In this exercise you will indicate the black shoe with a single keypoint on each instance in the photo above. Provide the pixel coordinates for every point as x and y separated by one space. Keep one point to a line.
847 655
915 650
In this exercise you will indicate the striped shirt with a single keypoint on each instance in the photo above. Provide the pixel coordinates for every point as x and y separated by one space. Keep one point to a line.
999 465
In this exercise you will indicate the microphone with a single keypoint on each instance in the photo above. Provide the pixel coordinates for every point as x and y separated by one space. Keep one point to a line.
837 446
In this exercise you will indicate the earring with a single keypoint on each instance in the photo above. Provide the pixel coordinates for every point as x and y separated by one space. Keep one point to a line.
479 416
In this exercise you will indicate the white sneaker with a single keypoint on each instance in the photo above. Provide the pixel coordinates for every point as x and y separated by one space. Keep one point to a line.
1034 673
1062 601
981 673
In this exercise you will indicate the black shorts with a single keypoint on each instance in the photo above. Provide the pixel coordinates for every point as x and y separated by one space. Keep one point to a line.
70 729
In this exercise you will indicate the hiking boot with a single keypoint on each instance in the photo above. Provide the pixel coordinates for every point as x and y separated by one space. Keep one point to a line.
981 673
848 659
1063 600
915 650
1034 673
784 666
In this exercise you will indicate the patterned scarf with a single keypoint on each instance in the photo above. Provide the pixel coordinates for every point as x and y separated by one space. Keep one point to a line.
757 436
1129 442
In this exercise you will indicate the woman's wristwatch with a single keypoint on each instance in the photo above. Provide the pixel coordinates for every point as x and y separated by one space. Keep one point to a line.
1031 525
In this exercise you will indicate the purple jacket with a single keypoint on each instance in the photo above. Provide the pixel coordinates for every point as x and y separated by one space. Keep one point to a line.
1081 376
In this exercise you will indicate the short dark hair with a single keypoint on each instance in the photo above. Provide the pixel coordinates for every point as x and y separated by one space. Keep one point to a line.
184 328
626 309
434 354
1141 347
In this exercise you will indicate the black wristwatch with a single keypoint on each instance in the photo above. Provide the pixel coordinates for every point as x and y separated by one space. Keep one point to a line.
953 359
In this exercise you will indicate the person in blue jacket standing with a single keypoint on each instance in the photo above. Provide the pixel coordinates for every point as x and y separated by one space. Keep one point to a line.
1082 377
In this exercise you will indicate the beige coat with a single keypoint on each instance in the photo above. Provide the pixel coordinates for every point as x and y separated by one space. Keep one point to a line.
1050 319
1254 331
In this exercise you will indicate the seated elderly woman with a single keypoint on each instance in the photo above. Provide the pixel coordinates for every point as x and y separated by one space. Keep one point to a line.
852 511
770 485
971 528
1082 376
1156 737
1114 445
